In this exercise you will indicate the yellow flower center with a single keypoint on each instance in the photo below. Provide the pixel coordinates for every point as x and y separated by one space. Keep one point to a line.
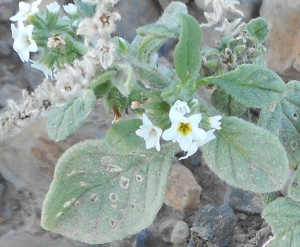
153 132
184 128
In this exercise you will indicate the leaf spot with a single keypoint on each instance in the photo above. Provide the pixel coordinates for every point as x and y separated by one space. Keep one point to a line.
294 184
113 197
76 203
138 178
94 198
294 144
295 115
59 214
112 222
124 182
106 160
82 184
68 203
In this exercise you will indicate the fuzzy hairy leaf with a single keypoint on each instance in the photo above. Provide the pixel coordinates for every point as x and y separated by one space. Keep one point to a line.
247 156
187 60
102 84
226 104
258 28
294 188
282 120
125 78
170 16
98 196
122 138
251 85
87 9
63 121
284 218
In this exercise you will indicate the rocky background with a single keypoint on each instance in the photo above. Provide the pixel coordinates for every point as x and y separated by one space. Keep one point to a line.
199 209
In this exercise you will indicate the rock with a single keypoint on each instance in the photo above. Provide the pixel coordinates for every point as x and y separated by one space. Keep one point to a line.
24 239
8 91
180 233
213 227
166 228
165 3
183 191
135 14
6 9
245 201
142 238
5 50
32 76
283 50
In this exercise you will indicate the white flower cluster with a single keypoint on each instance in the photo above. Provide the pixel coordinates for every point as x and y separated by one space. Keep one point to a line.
184 130
22 34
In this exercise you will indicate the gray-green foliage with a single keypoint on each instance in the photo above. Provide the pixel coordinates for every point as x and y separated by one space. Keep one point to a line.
282 119
247 156
63 121
104 190
106 195
250 85
283 216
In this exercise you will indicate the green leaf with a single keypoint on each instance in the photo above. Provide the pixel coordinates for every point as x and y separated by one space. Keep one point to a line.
151 77
247 156
284 218
116 101
155 29
102 84
63 121
170 16
98 196
250 85
86 9
122 138
226 104
258 28
187 60
294 188
283 118
125 79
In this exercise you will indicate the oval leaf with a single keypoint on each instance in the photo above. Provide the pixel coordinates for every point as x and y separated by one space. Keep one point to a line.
251 85
258 28
187 60
63 121
98 196
247 156
284 218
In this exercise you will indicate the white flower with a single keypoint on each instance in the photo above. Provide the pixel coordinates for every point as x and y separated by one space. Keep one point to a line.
184 130
215 122
196 143
150 133
53 7
181 107
44 68
23 42
26 10
71 8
